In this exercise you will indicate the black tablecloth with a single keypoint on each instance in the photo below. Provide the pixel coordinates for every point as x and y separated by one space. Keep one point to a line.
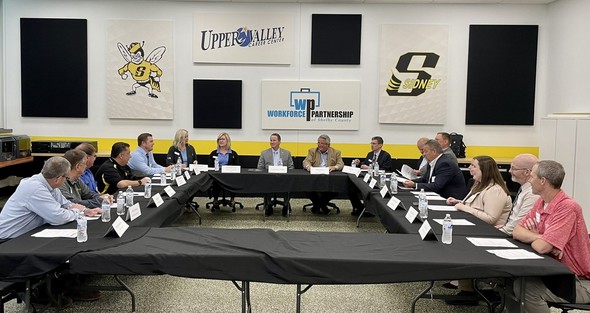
251 181
262 255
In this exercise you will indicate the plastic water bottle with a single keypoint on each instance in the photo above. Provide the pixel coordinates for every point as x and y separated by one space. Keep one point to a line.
129 197
280 162
216 163
353 163
447 230
393 184
148 188
120 203
163 179
370 171
382 180
178 167
376 168
82 228
423 204
173 174
106 210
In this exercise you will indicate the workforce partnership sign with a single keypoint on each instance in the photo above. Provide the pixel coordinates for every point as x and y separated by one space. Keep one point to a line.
330 105
413 71
243 38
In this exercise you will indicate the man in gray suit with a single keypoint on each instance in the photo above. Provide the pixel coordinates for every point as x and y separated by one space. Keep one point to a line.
275 156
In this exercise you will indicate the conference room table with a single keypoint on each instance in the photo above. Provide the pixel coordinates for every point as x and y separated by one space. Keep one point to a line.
263 255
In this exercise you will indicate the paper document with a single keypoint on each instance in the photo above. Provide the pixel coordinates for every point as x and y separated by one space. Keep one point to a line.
456 222
407 172
55 233
428 193
448 208
515 254
433 197
491 242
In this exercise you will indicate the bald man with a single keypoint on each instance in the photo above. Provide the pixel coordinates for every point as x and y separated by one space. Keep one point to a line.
520 171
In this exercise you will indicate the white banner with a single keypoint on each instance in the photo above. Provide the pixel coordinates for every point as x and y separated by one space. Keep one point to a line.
243 38
413 74
140 69
330 105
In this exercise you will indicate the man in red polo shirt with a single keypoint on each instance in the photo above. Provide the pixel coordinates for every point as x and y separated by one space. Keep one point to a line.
554 226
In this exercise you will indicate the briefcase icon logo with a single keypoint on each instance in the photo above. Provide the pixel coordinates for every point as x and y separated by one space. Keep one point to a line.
304 100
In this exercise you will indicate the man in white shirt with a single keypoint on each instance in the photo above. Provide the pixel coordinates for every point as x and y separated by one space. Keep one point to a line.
275 156
520 169
142 161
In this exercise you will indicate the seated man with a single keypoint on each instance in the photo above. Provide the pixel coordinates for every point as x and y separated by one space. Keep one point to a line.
323 156
38 201
274 156
444 139
421 168
554 226
142 161
383 157
74 189
88 177
114 173
520 170
442 176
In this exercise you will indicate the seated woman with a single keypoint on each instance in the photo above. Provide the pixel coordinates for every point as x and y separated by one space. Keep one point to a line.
488 200
226 156
181 149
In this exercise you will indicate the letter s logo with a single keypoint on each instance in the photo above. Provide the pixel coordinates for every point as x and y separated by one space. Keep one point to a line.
431 59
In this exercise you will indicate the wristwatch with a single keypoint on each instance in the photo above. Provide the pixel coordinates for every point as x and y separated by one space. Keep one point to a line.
139 181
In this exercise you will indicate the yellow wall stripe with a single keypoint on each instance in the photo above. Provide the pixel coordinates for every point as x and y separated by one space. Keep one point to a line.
253 148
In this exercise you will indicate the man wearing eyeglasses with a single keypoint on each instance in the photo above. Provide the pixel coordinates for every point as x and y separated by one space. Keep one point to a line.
38 201
74 189
520 171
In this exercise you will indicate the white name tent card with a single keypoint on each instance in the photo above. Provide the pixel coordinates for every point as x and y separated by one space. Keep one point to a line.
187 175
372 183
169 191
133 212
393 203
319 170
356 171
384 191
118 228
367 178
426 232
193 167
202 167
411 215
231 169
158 199
277 169
180 181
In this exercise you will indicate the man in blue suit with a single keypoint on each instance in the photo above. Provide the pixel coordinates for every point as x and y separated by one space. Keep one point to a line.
442 175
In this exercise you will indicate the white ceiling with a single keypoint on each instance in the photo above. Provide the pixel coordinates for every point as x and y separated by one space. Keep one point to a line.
390 1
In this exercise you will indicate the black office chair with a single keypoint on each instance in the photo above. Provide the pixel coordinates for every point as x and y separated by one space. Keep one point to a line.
274 201
565 307
223 202
331 205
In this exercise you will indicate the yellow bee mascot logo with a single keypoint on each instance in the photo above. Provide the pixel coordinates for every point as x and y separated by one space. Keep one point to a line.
145 72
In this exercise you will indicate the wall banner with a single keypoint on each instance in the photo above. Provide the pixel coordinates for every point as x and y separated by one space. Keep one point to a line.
329 105
140 69
243 38
413 74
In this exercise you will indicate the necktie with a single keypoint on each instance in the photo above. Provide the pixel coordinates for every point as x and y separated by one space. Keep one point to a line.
147 155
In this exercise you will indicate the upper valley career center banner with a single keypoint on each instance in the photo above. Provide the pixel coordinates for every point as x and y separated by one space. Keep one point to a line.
413 74
243 38
331 105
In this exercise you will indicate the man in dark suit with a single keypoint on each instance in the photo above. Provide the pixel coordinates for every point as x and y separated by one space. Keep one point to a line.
442 176
383 157
275 156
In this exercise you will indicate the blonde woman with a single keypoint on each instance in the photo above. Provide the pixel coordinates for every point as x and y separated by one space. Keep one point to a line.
181 149
226 156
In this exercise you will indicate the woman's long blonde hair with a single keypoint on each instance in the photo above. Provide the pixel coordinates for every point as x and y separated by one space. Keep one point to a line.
179 138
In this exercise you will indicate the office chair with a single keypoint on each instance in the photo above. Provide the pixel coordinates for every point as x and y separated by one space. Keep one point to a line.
276 202
331 205
223 202
565 307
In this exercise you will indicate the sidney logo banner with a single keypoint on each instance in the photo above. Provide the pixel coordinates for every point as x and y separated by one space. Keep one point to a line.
413 71
330 105
243 38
